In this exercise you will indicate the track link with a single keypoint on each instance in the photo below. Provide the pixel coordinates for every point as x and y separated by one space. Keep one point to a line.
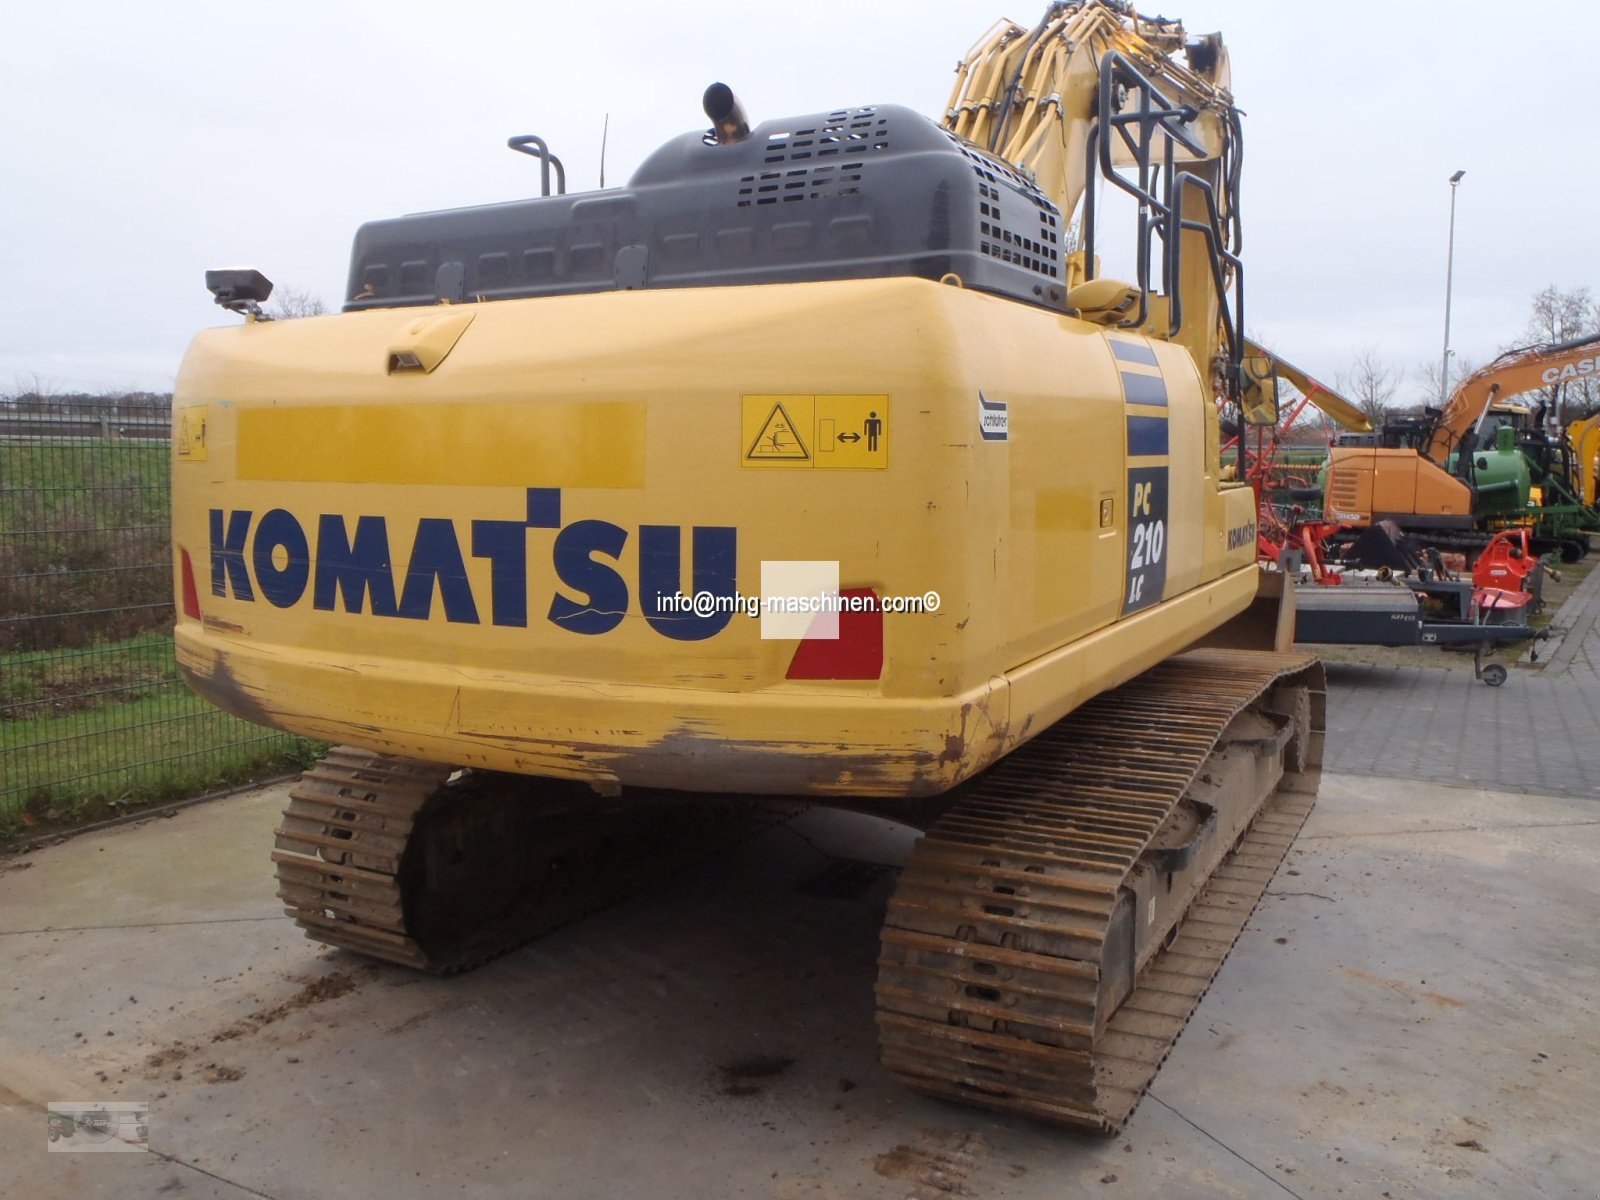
992 984
413 863
340 845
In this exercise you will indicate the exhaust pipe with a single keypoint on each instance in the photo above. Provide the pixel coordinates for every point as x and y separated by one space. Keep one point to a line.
728 122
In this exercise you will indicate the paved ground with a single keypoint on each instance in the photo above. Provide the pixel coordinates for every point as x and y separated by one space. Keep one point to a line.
1411 1012
1539 732
1421 976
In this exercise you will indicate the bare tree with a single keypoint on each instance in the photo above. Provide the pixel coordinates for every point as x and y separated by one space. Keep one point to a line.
288 303
1369 383
1426 378
35 393
1561 316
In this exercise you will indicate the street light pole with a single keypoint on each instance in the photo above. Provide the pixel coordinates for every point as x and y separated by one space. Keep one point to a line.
1449 280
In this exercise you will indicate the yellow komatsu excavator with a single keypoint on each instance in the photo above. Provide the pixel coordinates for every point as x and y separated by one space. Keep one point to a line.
816 465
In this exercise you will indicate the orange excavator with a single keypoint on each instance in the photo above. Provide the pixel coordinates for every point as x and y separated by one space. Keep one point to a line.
1456 475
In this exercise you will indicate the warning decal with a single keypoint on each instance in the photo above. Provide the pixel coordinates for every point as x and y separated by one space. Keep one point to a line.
779 439
191 434
848 433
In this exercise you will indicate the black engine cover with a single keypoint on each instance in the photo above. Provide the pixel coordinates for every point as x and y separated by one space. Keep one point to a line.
852 194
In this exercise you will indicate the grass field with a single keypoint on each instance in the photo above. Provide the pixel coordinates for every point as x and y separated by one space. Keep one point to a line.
55 477
92 732
93 717
84 541
54 683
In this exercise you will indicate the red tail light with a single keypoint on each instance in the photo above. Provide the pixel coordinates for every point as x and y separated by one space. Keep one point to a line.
857 653
191 594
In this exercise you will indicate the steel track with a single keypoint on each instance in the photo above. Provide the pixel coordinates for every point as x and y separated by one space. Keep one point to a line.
370 858
989 986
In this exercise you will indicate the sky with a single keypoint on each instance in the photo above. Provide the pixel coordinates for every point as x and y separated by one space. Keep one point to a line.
142 143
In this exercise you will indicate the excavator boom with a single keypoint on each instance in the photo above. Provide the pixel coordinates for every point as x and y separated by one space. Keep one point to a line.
1315 393
1512 374
1095 93
1029 96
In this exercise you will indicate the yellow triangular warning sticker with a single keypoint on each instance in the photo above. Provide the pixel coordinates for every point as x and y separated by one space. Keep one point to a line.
191 431
778 440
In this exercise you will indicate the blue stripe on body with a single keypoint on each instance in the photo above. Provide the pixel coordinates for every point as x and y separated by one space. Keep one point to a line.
1147 436
1144 389
1133 352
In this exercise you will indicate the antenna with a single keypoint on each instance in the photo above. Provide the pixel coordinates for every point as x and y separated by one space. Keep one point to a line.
604 130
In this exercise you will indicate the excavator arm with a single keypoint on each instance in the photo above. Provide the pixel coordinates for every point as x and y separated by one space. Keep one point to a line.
1094 93
1030 96
1512 374
1315 393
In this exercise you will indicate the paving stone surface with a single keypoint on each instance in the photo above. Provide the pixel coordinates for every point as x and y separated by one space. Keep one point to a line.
1539 732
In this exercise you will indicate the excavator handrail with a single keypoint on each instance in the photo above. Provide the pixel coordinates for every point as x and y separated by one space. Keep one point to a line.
1097 91
1156 118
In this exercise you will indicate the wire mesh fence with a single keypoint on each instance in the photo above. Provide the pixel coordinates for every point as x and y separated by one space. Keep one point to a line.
93 715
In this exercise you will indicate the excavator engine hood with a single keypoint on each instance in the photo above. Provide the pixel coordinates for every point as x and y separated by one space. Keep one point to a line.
851 194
